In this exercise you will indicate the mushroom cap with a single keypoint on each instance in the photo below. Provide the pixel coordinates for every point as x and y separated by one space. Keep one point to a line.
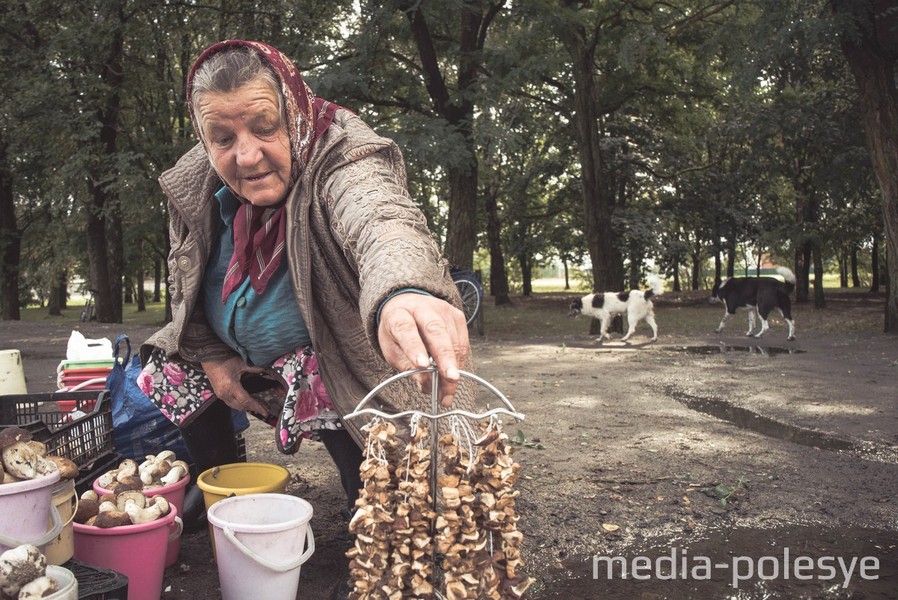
11 435
67 468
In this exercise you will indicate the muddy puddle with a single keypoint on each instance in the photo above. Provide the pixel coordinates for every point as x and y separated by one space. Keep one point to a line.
790 563
725 349
748 419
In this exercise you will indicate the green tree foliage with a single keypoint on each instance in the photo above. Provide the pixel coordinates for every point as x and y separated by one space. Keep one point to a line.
700 136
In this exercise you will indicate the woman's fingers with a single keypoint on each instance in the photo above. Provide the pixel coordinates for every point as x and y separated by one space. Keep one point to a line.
414 328
224 375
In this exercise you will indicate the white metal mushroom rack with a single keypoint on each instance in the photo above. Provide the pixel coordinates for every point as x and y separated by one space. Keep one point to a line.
460 421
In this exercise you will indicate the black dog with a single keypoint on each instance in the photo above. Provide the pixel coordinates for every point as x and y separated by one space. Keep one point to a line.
757 293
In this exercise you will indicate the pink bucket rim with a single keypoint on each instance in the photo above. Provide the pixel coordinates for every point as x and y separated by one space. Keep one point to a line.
125 529
150 492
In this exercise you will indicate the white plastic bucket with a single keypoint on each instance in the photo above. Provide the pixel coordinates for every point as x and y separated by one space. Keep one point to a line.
25 506
12 373
68 583
259 541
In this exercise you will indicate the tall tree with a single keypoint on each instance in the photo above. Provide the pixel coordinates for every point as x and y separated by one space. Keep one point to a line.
870 44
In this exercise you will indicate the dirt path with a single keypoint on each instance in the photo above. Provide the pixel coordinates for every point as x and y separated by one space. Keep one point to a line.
714 455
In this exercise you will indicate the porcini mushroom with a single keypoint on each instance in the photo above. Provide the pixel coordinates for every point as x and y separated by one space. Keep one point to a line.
127 468
173 476
18 567
22 461
38 588
156 507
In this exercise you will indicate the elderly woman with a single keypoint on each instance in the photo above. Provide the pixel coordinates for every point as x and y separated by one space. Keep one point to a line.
302 274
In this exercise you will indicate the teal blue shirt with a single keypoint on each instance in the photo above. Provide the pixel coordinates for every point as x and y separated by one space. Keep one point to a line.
262 327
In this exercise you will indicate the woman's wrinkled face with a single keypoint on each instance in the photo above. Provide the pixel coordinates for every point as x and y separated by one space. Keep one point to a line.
247 141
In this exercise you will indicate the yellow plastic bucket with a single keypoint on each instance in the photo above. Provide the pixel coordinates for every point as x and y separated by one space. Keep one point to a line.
240 479
62 548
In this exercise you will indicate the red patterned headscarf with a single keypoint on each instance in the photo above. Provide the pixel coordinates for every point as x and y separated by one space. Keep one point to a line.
259 234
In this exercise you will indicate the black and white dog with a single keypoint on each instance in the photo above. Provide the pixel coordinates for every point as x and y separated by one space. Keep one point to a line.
636 304
761 294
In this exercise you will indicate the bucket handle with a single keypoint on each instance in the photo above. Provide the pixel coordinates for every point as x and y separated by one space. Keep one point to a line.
75 501
41 541
179 525
310 548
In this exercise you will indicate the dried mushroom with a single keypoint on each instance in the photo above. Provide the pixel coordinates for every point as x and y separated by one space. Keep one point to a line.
472 535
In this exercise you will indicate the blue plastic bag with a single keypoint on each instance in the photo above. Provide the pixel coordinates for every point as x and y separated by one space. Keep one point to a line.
138 427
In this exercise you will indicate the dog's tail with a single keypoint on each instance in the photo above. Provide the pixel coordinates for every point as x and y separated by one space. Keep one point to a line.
657 286
789 276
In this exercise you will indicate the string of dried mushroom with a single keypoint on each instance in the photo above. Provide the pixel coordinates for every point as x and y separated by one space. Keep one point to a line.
471 540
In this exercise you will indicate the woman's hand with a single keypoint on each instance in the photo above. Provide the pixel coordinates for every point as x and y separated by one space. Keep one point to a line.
224 375
414 327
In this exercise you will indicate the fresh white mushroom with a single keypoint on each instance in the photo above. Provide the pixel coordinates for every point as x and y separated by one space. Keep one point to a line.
19 566
176 473
40 587
157 507
107 479
149 473
182 464
148 460
136 497
127 468
166 455
107 506
22 461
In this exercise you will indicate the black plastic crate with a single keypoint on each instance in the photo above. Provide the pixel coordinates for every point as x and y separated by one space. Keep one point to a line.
98 584
76 425
91 472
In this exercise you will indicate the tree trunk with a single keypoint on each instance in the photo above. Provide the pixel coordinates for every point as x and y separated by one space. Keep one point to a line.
63 288
567 275
498 275
461 225
874 265
731 255
128 289
458 110
696 271
819 300
157 280
526 275
855 276
54 309
676 275
601 238
11 240
104 218
871 48
141 294
843 269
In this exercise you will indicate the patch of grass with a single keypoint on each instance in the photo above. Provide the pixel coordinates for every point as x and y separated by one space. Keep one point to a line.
544 314
153 316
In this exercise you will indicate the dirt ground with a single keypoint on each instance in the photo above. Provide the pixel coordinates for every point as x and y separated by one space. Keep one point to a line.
756 468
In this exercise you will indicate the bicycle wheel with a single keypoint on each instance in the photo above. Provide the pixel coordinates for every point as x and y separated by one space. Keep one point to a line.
470 298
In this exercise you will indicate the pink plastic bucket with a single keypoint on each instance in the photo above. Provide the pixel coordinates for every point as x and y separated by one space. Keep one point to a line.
27 509
174 493
137 551
259 541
